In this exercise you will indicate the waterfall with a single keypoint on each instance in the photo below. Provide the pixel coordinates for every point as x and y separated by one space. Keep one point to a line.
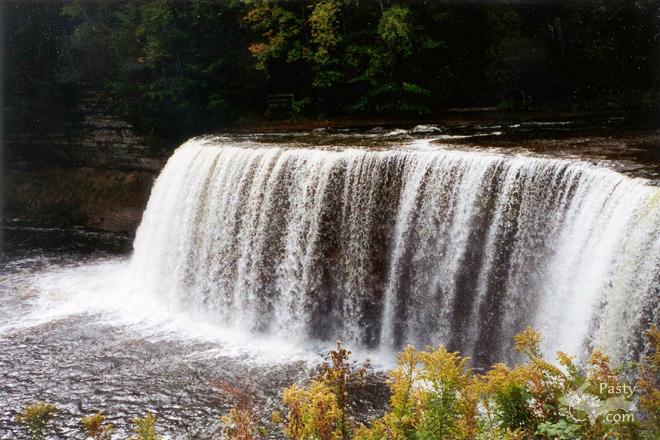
380 248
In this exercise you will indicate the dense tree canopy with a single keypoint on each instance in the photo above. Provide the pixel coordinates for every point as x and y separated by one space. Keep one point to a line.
175 68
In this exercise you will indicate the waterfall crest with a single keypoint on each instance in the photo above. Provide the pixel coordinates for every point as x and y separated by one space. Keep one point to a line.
413 245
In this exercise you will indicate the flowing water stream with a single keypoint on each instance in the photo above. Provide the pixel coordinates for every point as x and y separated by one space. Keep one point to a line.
253 257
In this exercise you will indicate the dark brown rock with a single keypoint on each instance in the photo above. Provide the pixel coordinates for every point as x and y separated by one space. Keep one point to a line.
83 167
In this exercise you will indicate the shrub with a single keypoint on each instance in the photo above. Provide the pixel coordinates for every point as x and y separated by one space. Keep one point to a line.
648 383
144 428
321 410
240 423
95 427
434 395
35 418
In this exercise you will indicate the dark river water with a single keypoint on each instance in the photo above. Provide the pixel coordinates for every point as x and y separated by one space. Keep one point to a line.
85 355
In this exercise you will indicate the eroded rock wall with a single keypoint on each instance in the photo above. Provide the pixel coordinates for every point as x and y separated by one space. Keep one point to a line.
110 200
81 167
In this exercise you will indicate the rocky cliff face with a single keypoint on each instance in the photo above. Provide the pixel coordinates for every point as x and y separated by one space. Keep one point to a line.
81 166
111 200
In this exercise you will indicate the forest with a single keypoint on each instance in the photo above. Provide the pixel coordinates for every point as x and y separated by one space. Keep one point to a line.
178 68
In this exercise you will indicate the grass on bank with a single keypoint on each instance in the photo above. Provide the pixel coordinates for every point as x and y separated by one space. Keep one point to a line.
435 395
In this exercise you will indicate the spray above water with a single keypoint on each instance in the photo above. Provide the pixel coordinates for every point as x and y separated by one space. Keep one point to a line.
414 245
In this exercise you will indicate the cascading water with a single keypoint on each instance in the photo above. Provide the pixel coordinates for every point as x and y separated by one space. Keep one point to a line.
415 245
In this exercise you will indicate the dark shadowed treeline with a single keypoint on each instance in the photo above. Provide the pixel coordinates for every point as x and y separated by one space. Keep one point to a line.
175 68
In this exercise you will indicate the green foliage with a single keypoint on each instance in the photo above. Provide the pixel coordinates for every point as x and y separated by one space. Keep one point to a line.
178 68
376 64
389 66
144 428
171 68
35 418
323 23
561 430
185 69
280 30
507 55
95 427
394 29
512 411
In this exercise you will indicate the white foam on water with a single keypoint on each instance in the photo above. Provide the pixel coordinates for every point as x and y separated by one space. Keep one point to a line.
105 291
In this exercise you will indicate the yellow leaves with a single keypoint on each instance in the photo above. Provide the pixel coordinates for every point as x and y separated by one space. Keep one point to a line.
145 428
318 411
324 412
36 411
649 380
401 379
434 394
239 424
440 366
323 23
600 370
277 417
313 413
653 334
545 370
35 418
564 359
293 399
600 362
257 48
95 426
528 342
377 431
496 378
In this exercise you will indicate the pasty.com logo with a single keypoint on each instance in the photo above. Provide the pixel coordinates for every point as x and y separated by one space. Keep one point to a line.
618 408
